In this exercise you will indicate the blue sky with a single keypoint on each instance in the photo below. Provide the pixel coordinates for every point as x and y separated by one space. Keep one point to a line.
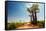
18 11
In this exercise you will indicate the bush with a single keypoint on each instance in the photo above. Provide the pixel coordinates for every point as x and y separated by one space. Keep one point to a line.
41 24
11 26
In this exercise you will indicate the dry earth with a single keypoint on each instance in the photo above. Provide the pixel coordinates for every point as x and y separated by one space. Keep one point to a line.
28 26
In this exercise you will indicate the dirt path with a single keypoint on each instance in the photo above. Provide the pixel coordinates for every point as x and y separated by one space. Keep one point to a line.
25 26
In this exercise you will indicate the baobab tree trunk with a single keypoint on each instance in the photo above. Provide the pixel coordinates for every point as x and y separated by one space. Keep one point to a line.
34 18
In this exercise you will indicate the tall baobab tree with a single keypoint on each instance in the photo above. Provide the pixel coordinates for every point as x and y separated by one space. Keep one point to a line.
33 13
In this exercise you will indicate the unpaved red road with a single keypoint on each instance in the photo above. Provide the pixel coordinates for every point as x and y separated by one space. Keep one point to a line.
25 26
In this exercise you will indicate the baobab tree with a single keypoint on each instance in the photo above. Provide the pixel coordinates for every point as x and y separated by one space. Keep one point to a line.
33 13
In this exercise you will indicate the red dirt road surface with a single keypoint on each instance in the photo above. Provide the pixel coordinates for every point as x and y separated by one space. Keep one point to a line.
28 26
